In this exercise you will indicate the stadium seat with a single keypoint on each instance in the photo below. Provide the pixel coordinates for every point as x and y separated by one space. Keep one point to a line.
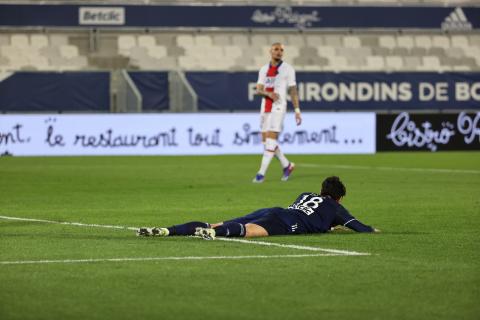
387 42
295 40
459 41
19 40
69 51
259 40
405 42
4 63
147 41
337 63
39 62
18 61
431 63
4 40
157 51
125 43
314 40
58 39
245 62
164 39
38 41
326 51
411 63
185 41
461 68
351 42
232 51
221 40
10 51
203 40
374 63
291 52
394 63
259 61
473 52
441 42
277 38
51 52
188 63
307 56
333 40
423 43
475 40
240 40
166 63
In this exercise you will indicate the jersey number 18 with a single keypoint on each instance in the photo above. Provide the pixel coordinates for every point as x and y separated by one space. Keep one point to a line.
308 204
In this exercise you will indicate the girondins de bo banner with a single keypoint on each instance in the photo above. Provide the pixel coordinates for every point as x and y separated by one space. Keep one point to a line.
440 131
346 91
180 134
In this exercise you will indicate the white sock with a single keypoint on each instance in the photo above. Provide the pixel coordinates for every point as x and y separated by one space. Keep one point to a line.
283 160
270 147
266 159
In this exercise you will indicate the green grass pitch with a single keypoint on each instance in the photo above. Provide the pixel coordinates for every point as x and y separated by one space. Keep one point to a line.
424 265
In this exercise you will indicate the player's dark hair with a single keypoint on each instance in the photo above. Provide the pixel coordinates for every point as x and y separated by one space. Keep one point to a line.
333 187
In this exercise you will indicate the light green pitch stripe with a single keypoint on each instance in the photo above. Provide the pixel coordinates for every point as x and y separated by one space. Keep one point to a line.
353 167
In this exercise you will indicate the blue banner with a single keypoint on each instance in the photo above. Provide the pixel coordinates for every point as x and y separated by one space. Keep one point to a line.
153 87
231 16
55 91
346 91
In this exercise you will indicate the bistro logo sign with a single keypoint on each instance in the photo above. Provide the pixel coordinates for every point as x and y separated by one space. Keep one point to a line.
428 131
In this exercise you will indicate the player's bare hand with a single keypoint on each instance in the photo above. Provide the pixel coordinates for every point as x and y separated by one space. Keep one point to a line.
298 118
274 96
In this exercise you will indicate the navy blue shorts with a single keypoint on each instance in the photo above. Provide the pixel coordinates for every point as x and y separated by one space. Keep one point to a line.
272 223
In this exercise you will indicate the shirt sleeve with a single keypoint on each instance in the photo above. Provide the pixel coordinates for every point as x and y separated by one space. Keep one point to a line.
262 74
347 220
291 80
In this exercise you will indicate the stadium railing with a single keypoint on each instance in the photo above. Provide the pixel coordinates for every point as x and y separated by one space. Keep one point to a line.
128 97
182 96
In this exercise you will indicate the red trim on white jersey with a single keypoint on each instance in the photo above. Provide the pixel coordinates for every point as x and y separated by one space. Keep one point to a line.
272 72
276 79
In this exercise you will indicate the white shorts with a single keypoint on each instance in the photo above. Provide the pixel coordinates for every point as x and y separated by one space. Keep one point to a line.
272 121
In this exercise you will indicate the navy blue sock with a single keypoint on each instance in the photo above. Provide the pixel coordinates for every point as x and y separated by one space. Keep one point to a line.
230 229
186 229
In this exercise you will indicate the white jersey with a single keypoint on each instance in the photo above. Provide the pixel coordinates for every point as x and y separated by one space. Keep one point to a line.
276 79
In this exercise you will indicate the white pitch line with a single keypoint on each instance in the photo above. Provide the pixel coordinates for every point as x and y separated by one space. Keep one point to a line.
78 224
169 258
262 243
339 166
293 246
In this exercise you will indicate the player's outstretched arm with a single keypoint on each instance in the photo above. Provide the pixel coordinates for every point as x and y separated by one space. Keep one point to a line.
345 219
357 226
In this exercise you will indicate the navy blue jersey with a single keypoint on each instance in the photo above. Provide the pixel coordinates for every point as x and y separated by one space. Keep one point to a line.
312 213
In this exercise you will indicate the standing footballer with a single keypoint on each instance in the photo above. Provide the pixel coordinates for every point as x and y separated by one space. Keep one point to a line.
275 80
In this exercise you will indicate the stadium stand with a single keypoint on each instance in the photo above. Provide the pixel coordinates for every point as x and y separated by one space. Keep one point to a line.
118 50
233 51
